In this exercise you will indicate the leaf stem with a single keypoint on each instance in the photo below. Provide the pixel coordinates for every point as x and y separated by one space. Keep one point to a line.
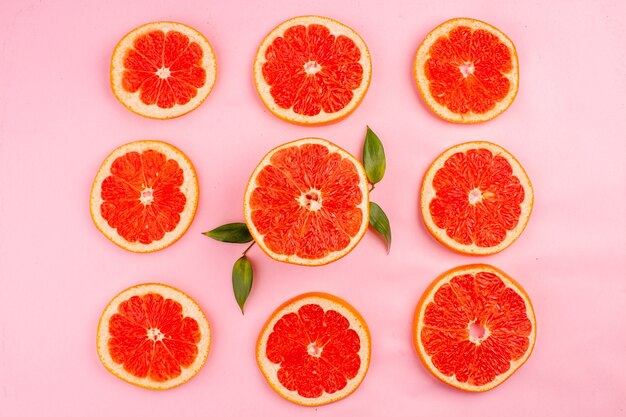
373 186
248 248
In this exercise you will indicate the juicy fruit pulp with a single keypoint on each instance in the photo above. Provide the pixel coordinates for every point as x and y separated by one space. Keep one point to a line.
477 198
311 70
141 196
166 68
309 202
163 70
151 338
467 71
316 350
466 68
144 196
475 327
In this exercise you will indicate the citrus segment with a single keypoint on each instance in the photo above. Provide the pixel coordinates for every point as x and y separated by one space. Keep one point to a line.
474 327
314 349
144 196
307 202
153 336
476 198
162 70
467 71
312 70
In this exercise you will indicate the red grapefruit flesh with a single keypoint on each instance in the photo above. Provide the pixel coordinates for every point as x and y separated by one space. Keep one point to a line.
312 70
307 202
144 196
162 70
153 336
474 327
467 71
314 349
476 198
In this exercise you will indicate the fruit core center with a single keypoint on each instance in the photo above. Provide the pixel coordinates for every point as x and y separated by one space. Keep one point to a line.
147 196
477 332
314 350
466 69
163 73
475 196
312 67
312 200
155 335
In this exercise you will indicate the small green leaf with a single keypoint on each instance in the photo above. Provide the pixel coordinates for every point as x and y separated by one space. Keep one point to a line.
242 280
380 222
231 233
373 157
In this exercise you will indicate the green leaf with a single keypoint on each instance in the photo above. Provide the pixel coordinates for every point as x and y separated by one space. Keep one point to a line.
242 280
380 222
231 233
373 157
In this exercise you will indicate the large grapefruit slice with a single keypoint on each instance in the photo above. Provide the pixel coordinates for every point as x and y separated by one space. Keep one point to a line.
467 71
314 349
153 336
476 198
312 70
144 196
163 70
474 327
307 202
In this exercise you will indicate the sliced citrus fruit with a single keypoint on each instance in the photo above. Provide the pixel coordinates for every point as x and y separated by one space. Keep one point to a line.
467 71
163 70
312 70
476 198
153 336
307 202
314 349
474 327
144 196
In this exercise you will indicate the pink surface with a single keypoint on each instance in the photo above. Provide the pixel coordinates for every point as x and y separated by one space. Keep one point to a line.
59 120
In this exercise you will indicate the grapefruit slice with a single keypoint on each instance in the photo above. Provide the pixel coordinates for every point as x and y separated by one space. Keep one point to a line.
312 70
467 71
144 196
476 198
153 336
314 349
307 202
163 70
474 327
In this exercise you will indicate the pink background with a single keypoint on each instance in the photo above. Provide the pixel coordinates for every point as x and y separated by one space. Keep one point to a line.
59 120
